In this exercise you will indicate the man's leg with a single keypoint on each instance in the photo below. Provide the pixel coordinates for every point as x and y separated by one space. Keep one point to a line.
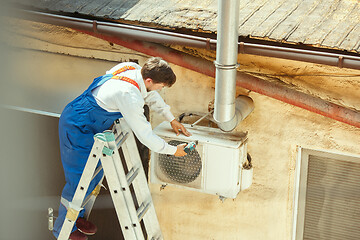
67 195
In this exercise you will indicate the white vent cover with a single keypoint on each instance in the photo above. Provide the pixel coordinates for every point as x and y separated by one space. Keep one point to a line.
327 196
215 167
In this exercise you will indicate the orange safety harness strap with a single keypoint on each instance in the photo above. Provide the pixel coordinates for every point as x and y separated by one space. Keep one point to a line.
126 79
123 69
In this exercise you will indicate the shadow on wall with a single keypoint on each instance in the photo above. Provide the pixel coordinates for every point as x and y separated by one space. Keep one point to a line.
32 179
32 175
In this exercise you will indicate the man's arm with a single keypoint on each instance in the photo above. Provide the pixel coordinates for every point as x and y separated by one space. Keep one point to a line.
157 104
142 129
132 110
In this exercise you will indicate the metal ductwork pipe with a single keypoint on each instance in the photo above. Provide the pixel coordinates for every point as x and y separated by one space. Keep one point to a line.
226 114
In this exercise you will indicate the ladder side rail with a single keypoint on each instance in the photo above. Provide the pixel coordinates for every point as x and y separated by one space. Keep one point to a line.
83 185
141 188
132 163
121 195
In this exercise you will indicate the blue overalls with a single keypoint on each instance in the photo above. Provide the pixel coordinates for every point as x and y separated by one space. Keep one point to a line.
79 122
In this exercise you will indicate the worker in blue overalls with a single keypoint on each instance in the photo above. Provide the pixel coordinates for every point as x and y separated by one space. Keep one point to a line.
121 92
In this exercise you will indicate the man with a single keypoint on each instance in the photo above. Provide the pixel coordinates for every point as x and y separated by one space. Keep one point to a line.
121 92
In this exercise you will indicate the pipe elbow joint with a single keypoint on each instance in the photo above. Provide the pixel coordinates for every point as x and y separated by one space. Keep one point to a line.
244 105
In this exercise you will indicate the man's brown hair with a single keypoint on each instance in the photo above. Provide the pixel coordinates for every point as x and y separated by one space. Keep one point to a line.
159 71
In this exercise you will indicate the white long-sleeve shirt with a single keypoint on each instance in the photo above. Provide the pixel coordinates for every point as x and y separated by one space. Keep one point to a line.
120 96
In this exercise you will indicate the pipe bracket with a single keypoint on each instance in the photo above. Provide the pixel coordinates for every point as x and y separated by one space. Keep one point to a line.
208 44
94 26
340 61
241 47
223 66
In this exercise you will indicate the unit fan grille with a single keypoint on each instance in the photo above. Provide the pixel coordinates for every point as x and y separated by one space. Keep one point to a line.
181 169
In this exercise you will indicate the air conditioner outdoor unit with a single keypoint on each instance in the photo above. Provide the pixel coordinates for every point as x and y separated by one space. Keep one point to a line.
214 167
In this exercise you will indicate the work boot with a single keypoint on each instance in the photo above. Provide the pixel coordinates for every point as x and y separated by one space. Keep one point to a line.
77 235
85 226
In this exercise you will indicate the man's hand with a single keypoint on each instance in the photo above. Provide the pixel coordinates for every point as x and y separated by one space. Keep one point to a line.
178 127
180 150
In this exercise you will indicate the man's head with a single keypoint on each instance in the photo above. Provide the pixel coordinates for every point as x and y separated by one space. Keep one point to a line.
157 73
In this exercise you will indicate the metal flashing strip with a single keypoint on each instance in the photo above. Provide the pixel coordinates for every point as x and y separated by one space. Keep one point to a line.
29 110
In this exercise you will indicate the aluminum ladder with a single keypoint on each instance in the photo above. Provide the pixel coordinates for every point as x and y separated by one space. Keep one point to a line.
105 150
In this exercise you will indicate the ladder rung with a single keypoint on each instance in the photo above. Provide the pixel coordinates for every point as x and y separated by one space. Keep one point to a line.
87 199
132 175
142 210
121 139
96 172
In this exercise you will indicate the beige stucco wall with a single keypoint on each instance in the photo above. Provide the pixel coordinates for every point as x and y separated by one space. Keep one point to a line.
264 211
337 85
